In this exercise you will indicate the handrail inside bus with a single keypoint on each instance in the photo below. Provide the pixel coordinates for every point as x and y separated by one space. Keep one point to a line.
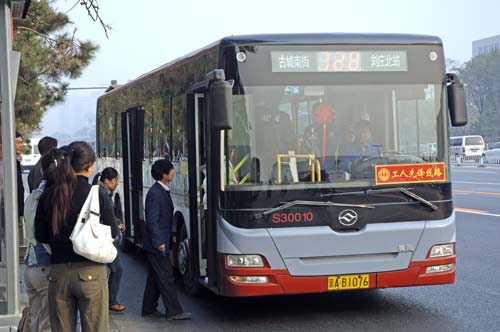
315 165
238 166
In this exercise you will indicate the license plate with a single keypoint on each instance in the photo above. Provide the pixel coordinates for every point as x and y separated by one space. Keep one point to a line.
356 281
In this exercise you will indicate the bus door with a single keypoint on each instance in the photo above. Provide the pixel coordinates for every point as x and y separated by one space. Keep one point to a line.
197 162
133 155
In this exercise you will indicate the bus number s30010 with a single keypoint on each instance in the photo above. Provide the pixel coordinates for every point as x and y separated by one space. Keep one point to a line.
292 217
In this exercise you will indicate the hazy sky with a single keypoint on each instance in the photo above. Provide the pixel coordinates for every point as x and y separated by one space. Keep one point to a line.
149 33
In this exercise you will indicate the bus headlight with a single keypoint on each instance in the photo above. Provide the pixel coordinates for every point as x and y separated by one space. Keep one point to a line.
439 268
442 250
249 279
244 261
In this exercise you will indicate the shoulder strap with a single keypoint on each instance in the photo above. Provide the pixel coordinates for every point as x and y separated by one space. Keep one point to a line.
94 200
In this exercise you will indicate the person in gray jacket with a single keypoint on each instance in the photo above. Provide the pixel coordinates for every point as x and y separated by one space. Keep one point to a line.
37 259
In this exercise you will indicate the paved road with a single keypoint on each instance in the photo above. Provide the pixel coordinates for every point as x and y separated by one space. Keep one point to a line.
471 304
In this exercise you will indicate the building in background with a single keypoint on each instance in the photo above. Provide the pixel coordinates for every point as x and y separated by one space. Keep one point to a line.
485 45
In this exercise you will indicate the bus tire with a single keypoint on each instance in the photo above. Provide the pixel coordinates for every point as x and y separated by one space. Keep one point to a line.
190 277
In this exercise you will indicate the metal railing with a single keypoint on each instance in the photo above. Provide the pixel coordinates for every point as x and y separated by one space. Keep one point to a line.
480 161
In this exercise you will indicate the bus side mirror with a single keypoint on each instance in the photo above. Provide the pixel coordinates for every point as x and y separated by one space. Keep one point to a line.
456 101
221 94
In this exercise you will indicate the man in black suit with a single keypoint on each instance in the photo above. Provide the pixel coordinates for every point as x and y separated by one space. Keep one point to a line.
156 241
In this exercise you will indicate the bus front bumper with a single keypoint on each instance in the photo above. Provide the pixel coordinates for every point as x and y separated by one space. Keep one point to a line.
280 282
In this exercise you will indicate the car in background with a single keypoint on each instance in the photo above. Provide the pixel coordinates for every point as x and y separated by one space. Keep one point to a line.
492 156
467 147
31 155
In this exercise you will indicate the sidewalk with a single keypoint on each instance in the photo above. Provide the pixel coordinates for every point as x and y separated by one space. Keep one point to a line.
130 295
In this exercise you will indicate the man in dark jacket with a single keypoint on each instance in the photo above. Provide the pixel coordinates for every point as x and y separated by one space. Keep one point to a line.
20 191
46 144
159 217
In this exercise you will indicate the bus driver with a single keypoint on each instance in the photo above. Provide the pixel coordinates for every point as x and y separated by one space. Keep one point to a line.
363 145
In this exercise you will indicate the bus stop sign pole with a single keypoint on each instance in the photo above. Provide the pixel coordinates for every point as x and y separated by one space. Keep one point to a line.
9 162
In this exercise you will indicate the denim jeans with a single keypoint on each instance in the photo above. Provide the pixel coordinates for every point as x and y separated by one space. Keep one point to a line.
36 279
115 276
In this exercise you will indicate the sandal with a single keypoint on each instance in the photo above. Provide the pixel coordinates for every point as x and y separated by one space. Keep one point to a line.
117 307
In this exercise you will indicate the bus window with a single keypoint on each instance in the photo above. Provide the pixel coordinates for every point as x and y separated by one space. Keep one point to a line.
239 136
317 134
179 134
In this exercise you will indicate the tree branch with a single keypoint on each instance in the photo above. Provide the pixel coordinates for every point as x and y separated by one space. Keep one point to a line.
93 10
51 40
37 33
72 7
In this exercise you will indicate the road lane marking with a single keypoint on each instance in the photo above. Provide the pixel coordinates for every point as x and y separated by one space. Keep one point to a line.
490 183
470 210
460 191
483 213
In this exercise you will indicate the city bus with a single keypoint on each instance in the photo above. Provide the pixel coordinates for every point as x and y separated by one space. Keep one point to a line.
300 161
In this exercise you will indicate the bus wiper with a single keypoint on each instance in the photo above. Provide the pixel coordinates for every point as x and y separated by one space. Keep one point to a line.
402 190
419 198
310 203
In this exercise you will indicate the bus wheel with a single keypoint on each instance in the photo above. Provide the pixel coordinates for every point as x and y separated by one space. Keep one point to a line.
185 263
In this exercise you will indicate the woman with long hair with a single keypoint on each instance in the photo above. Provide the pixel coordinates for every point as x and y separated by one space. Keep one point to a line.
76 284
107 180
37 257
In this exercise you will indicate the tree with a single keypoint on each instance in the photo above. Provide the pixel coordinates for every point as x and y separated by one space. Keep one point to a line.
49 56
452 65
481 76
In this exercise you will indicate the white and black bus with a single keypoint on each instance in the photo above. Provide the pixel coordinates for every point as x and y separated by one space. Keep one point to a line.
314 151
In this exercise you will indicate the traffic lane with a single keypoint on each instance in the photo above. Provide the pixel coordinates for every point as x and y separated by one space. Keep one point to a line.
476 189
477 201
478 265
478 174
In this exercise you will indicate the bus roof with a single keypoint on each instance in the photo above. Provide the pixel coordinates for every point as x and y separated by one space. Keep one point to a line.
328 38
297 39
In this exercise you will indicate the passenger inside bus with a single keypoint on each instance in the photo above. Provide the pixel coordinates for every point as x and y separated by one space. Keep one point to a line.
274 133
321 137
363 145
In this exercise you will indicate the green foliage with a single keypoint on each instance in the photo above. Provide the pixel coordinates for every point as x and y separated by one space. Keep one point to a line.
481 76
49 56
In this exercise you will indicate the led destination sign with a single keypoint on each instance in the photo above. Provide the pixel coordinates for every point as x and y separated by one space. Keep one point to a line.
338 61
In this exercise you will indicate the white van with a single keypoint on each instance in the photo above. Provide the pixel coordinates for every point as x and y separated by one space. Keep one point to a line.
30 159
467 147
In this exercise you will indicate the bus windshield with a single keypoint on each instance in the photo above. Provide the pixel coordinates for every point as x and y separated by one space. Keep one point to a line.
330 136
